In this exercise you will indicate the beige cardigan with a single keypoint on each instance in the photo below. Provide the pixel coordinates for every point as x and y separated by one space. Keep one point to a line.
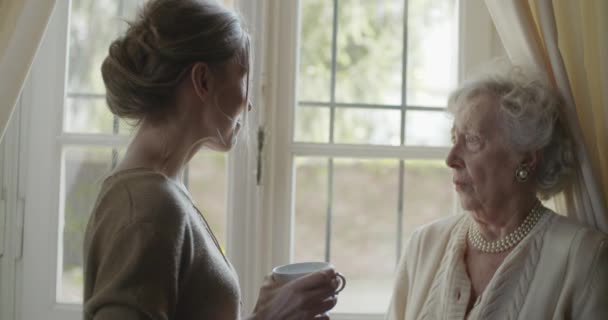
559 271
150 255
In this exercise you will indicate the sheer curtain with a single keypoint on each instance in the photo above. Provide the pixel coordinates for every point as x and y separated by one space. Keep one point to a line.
22 24
567 41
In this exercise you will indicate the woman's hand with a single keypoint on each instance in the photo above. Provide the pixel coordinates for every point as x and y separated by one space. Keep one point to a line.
305 298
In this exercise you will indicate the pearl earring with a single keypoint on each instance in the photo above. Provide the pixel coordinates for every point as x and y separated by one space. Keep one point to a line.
522 173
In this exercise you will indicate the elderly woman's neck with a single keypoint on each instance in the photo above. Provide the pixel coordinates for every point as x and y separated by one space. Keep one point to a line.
500 219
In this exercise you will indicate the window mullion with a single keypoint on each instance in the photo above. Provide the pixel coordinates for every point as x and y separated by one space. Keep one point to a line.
369 106
368 151
400 190
330 201
334 62
401 183
332 117
404 72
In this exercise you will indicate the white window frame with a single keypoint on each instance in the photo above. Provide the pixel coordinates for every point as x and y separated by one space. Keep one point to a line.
478 43
42 97
12 205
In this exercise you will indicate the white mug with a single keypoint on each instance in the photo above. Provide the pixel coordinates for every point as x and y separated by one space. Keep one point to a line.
288 272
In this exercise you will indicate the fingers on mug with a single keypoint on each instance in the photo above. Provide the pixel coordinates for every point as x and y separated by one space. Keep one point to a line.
342 282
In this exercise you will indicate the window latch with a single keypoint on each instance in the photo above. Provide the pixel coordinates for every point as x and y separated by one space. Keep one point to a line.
261 137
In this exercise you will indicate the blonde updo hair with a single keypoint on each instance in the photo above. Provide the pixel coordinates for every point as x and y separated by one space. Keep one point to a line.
145 65
530 119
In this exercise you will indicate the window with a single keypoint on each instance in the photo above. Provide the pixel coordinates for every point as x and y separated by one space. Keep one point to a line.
360 131
351 95
377 75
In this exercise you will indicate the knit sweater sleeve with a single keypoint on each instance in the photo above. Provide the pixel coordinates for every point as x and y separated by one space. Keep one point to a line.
398 305
133 261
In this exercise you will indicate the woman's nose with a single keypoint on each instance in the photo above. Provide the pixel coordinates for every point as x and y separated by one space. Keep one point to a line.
249 106
453 160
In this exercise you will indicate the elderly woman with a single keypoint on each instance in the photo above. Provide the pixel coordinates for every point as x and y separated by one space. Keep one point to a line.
508 256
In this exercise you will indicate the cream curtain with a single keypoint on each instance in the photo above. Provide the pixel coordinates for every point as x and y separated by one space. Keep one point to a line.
22 24
568 42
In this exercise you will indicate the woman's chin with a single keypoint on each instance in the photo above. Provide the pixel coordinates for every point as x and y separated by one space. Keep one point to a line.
467 203
220 147
223 145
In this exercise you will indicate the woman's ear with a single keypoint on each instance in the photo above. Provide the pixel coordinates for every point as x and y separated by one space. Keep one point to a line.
532 159
200 76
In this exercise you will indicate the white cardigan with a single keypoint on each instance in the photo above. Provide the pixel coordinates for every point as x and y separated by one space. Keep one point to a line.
559 271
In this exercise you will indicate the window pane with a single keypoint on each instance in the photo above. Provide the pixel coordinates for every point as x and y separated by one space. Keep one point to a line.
129 9
312 124
228 3
368 126
364 230
207 184
428 194
432 47
427 128
86 115
126 127
84 169
369 61
315 50
310 209
93 26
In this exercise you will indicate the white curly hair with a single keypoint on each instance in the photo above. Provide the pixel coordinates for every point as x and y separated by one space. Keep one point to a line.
531 119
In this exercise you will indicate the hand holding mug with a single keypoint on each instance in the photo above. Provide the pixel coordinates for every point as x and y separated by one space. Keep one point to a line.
289 272
299 291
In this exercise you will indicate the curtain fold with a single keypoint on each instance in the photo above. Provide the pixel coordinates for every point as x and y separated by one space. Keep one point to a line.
566 41
22 25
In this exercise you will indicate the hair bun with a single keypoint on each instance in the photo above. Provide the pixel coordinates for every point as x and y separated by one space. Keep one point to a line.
145 65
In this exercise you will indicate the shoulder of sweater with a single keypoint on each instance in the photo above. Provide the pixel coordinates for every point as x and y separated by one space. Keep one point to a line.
585 238
145 197
587 254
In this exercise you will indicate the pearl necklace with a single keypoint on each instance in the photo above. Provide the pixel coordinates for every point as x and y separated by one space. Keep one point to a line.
506 243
